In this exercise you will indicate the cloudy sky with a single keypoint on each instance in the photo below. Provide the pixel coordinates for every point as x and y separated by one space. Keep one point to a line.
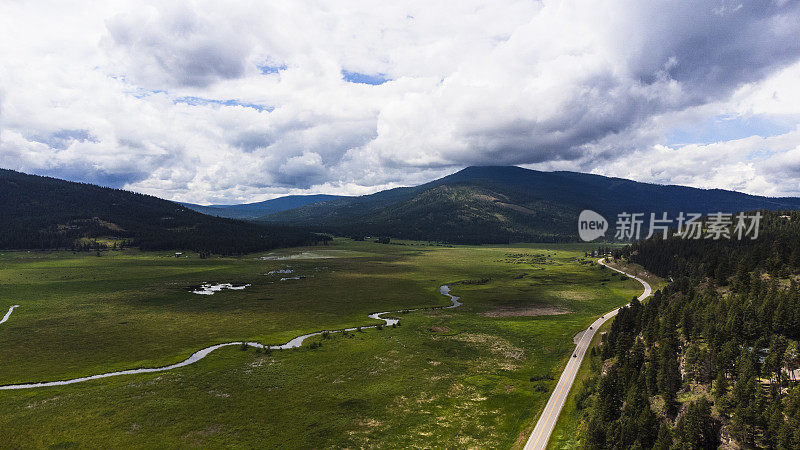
228 102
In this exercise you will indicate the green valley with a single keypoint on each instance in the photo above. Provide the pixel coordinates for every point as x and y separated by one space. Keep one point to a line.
474 375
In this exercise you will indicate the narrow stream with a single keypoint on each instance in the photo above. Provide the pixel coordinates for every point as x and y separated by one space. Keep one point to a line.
200 354
8 314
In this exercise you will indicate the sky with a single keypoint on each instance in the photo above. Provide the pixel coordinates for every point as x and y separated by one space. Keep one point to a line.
241 101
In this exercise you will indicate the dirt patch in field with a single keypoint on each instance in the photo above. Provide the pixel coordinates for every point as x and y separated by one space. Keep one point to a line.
438 329
198 436
527 311
369 423
439 313
323 254
572 294
508 354
43 402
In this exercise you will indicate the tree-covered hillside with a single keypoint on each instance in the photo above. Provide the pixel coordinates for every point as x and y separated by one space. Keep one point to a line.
259 209
451 213
502 204
711 359
42 213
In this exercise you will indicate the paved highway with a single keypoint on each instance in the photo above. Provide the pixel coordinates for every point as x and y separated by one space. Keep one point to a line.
547 421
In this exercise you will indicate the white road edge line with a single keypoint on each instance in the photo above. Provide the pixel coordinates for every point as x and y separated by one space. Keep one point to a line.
200 354
547 421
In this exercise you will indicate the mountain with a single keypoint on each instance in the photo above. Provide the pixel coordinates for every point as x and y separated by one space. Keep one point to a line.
42 213
260 209
495 204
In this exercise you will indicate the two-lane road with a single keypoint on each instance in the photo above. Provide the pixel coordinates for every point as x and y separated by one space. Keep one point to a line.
547 421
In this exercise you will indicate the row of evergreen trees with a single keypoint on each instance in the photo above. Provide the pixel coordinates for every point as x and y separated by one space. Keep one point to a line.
712 356
776 250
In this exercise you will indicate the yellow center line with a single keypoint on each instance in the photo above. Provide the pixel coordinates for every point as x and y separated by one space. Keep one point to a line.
558 397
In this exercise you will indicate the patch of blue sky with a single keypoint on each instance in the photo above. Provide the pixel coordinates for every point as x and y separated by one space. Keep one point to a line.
144 93
199 101
363 78
728 128
267 69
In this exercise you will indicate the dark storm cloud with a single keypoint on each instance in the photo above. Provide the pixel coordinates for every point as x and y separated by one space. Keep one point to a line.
178 47
300 177
250 141
718 45
88 173
62 139
670 56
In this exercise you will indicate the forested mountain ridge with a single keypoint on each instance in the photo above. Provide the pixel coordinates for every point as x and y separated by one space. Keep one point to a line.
43 213
260 209
712 358
450 213
498 204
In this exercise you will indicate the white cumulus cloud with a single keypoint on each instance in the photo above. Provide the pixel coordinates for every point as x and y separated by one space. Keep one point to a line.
221 102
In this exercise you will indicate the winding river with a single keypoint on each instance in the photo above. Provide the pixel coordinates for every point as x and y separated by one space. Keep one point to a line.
200 354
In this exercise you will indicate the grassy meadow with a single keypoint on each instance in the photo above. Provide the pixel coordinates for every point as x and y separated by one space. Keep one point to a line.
473 376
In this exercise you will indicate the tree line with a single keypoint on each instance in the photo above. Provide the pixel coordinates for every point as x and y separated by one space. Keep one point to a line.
709 359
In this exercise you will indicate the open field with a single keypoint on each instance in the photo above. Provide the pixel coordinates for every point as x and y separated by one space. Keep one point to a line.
461 377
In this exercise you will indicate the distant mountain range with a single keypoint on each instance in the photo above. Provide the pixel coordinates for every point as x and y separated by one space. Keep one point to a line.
492 204
506 203
44 213
260 209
